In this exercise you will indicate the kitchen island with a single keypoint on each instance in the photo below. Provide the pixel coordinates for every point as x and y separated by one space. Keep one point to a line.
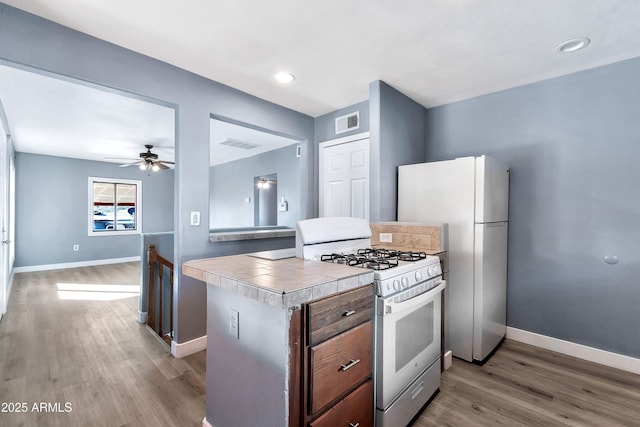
256 346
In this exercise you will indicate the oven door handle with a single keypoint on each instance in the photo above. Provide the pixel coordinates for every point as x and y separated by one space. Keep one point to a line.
415 301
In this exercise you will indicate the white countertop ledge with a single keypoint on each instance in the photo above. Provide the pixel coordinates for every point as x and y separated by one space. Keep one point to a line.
230 236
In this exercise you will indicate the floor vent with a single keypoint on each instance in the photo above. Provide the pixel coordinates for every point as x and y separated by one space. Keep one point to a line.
347 123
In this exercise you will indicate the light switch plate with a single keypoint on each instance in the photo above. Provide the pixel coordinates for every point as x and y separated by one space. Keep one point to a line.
386 238
195 219
234 324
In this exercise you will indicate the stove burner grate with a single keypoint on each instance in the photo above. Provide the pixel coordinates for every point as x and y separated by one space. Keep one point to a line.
412 256
361 260
393 253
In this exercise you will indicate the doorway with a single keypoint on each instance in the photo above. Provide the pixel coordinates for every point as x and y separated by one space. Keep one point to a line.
7 213
71 131
265 194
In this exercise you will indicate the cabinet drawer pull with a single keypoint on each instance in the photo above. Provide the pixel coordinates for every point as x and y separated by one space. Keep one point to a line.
349 313
354 425
351 364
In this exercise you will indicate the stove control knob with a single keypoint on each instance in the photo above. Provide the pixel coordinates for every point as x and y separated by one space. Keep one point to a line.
405 282
419 276
431 271
396 285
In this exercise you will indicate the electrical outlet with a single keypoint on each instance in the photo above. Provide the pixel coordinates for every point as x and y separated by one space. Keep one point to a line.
234 323
76 247
386 238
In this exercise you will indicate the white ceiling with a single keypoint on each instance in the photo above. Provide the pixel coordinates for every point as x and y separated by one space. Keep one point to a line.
57 117
259 141
435 51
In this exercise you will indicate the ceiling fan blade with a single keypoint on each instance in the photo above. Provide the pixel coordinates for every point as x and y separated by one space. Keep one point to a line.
130 164
146 160
161 164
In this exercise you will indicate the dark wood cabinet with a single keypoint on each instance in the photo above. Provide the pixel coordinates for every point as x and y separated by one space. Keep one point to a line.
338 365
355 410
331 316
337 359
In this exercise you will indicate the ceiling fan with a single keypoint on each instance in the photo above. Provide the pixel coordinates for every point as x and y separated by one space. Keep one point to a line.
149 161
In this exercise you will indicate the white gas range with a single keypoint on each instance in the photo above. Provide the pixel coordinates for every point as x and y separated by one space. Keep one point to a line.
407 323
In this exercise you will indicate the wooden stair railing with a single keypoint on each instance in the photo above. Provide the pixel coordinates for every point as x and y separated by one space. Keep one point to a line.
154 258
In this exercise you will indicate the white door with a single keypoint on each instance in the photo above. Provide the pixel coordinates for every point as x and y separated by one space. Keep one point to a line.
344 178
4 223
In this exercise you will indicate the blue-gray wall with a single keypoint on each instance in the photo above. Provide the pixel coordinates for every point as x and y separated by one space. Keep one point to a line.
325 125
397 132
230 183
52 204
33 41
573 145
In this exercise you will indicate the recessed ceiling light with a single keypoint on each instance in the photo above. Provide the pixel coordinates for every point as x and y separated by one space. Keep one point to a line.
284 77
573 45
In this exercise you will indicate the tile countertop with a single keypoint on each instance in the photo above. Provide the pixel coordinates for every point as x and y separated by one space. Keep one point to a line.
281 283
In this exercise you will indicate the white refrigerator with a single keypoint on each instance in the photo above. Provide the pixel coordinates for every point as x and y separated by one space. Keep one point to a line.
471 194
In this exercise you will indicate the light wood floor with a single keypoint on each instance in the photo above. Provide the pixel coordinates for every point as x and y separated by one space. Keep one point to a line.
522 385
113 372
93 355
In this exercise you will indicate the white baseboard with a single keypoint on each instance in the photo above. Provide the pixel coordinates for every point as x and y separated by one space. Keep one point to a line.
189 347
142 317
205 423
591 354
45 267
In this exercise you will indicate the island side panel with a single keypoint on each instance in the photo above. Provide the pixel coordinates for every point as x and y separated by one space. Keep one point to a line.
246 376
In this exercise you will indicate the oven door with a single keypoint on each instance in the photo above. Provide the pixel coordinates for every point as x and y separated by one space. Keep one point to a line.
408 341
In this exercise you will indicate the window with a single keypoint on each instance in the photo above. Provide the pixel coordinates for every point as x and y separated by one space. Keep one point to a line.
114 206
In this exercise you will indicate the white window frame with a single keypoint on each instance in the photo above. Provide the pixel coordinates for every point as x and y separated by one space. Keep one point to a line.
138 229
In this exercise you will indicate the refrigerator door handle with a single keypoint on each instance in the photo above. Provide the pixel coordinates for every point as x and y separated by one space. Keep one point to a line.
493 224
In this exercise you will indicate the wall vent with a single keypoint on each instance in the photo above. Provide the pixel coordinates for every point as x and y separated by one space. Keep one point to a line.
239 144
348 122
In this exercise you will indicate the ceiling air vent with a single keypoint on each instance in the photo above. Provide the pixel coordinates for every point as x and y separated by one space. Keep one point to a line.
239 144
349 122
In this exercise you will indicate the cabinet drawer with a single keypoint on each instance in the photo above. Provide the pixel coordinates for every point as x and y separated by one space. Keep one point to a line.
339 364
354 410
334 315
